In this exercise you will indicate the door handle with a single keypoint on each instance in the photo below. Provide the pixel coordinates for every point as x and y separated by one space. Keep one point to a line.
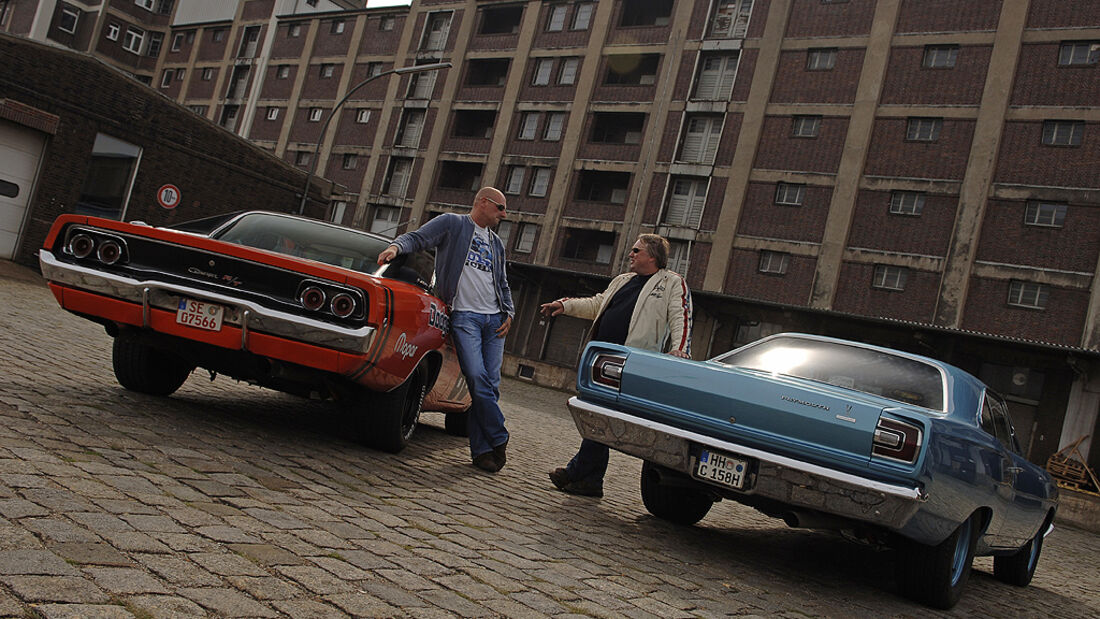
1014 469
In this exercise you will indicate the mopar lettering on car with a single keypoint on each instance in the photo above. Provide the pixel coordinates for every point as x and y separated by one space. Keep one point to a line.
403 348
439 319
225 279
804 402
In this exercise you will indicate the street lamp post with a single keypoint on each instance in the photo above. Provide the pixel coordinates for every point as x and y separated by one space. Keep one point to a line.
324 127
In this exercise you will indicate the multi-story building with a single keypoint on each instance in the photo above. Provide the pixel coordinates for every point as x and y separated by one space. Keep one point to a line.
915 173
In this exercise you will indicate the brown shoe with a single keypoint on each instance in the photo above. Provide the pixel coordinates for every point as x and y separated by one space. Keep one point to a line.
560 478
487 462
500 452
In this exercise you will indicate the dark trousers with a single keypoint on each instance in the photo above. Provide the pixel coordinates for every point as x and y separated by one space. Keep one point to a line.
590 462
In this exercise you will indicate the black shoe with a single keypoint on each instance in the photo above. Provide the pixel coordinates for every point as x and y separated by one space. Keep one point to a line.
585 487
560 478
487 462
500 452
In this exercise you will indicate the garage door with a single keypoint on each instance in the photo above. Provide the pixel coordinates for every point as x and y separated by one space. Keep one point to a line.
20 152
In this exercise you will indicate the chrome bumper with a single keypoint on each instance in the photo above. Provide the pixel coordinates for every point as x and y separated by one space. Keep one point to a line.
246 315
783 479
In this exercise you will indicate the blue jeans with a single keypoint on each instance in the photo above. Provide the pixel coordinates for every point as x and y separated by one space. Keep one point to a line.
480 354
590 462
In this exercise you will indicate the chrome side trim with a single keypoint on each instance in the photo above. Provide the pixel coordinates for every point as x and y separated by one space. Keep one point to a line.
784 479
249 316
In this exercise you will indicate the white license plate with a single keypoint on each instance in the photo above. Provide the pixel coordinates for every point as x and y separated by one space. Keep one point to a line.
720 468
200 314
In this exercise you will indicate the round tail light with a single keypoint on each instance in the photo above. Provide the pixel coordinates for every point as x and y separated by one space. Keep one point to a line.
343 305
109 252
312 298
81 246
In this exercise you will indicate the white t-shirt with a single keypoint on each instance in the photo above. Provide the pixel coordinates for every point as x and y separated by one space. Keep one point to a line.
476 292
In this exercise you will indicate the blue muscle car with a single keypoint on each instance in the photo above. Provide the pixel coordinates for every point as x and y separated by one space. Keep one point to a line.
889 447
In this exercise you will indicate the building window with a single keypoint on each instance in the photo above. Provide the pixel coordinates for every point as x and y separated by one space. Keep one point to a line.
1079 53
525 241
350 161
923 129
327 70
617 127
588 245
773 262
110 175
166 78
555 22
528 126
540 182
701 137
1063 132
386 23
790 194
386 220
294 31
500 19
408 131
156 39
906 203
582 18
679 257
198 109
177 42
362 115
1046 214
145 4
421 85
686 199
473 124
218 35
514 184
602 186
646 13
69 18
567 75
207 74
543 68
821 59
112 32
272 113
632 69
504 231
180 73
133 40
805 126
397 180
940 56
336 27
282 72
1028 294
555 122
435 33
460 175
716 76
315 114
889 277
374 69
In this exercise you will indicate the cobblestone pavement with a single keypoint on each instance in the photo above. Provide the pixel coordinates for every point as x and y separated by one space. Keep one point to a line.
230 500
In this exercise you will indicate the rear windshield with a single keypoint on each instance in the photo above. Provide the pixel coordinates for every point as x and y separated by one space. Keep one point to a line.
871 371
342 247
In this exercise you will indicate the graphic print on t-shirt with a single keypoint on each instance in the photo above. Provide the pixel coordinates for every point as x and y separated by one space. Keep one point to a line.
479 255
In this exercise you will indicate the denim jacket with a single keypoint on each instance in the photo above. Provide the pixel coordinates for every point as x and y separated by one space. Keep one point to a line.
451 235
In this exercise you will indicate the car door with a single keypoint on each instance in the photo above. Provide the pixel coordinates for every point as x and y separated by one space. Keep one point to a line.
1025 512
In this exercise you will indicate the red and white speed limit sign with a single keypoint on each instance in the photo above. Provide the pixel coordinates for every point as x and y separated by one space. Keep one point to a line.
168 196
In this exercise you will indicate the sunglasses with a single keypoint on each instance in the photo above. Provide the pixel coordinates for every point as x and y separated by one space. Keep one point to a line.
500 207
635 250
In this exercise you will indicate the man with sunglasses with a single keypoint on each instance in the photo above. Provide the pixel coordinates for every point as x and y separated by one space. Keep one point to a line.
470 278
648 307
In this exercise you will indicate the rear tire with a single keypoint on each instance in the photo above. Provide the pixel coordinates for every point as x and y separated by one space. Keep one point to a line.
142 368
1018 569
456 423
936 575
386 421
676 504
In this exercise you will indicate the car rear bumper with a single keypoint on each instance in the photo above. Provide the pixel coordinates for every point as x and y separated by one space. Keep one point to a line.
241 316
786 480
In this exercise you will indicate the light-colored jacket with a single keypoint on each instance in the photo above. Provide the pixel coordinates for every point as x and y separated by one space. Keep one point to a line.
662 316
